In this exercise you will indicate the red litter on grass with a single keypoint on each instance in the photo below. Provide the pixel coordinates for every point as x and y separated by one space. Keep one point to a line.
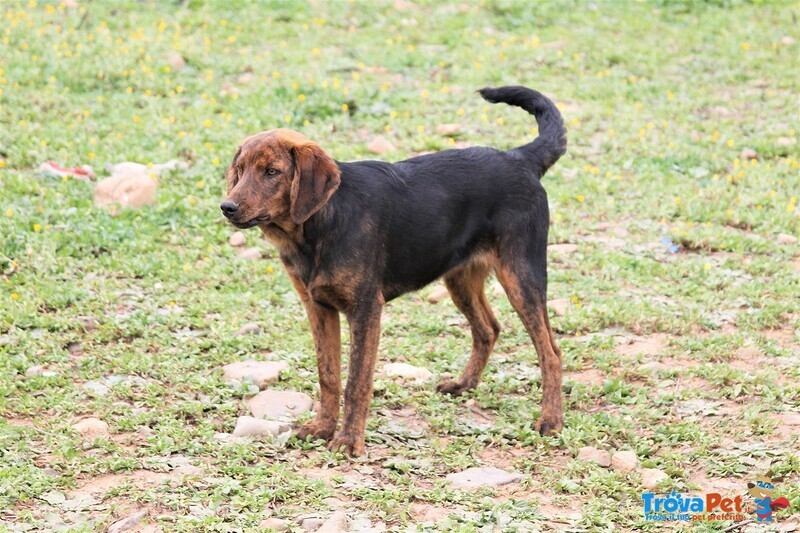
51 169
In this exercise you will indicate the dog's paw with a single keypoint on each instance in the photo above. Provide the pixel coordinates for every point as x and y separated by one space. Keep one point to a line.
318 429
548 426
348 444
454 388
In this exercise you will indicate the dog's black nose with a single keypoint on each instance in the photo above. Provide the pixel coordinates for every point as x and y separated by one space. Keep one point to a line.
228 208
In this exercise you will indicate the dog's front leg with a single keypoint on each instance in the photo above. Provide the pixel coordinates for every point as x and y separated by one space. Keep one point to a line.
365 322
326 331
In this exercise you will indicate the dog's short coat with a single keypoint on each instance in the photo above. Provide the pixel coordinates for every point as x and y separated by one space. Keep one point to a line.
353 236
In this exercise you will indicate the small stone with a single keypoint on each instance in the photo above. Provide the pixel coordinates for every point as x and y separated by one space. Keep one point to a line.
483 477
188 471
651 477
787 40
563 249
250 253
336 523
248 329
311 524
559 306
785 141
144 432
88 323
438 294
275 404
404 370
624 461
653 366
273 524
784 238
448 129
379 145
176 61
237 239
245 78
128 523
748 153
260 373
91 428
590 454
95 388
748 352
247 426
33 371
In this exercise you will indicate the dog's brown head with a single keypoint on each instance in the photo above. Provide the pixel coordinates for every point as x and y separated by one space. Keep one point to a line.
278 177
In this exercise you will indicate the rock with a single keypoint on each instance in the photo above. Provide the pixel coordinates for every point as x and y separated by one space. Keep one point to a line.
127 190
237 239
748 352
787 40
404 370
128 523
311 523
91 428
258 372
273 524
33 371
88 323
448 129
379 145
188 471
250 253
559 306
245 78
275 404
95 388
563 249
248 329
438 294
651 477
624 461
144 431
748 153
653 366
785 141
176 61
247 426
590 454
336 523
784 238
483 477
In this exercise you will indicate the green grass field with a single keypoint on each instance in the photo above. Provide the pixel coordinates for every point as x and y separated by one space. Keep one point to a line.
681 339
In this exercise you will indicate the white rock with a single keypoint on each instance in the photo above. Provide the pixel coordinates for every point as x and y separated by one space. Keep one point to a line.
563 249
651 477
176 61
404 370
275 404
311 523
237 239
784 238
336 523
559 306
438 294
37 370
95 388
483 477
273 524
247 329
250 253
448 129
591 454
258 372
247 426
91 428
129 522
379 145
624 461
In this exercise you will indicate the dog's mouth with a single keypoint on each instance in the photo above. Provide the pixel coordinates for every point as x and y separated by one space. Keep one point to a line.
250 223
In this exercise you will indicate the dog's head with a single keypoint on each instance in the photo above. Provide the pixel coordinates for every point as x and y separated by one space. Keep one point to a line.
278 177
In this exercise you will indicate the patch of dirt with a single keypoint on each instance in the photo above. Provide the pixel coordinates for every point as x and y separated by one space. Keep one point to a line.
723 486
100 485
654 344
591 376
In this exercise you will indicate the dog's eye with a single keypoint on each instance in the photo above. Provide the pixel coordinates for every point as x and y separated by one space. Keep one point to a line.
272 171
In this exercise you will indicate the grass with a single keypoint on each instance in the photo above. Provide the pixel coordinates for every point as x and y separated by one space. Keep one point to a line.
660 100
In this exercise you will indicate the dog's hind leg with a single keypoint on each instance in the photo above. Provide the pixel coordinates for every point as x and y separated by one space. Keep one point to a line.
522 271
466 289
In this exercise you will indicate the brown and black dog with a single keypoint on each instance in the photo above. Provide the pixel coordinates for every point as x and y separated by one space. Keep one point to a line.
354 236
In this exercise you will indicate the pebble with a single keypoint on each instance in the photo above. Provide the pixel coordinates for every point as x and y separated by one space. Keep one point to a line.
33 371
247 426
483 477
336 523
563 249
88 323
275 404
784 238
260 373
91 428
237 239
311 524
275 524
404 370
559 306
438 294
624 461
95 388
250 253
448 129
379 145
129 522
590 454
748 153
247 329
651 477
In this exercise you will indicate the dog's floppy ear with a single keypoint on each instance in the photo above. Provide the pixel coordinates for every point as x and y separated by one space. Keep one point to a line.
231 173
316 178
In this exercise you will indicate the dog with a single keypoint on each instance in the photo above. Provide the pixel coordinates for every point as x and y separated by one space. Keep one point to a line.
353 236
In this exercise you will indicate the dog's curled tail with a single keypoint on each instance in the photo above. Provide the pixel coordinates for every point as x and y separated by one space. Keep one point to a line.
551 143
